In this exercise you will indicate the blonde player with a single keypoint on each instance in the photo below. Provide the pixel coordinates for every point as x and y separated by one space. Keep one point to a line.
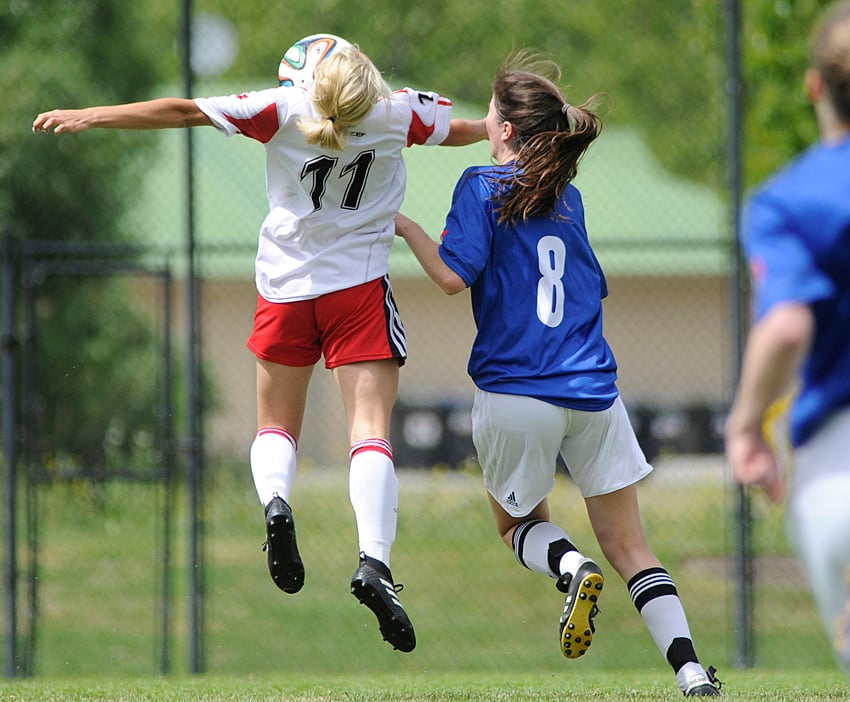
335 179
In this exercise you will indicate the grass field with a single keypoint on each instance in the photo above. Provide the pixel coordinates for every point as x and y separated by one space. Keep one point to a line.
811 686
486 628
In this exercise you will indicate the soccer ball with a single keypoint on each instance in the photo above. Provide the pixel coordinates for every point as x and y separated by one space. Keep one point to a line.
301 59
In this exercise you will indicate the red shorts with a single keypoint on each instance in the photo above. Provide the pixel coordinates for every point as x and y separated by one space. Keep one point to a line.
347 326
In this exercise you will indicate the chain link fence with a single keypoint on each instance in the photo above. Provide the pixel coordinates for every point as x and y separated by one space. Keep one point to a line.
108 555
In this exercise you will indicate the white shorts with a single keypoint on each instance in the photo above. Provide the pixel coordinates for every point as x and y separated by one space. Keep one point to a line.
825 454
819 522
518 440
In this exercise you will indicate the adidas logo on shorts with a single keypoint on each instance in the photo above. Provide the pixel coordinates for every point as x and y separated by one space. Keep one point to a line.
511 500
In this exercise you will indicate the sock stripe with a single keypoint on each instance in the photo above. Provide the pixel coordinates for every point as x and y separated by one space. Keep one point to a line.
280 432
380 445
650 584
520 533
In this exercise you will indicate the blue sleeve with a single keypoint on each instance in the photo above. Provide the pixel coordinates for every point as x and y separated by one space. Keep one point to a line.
469 228
576 211
603 283
782 267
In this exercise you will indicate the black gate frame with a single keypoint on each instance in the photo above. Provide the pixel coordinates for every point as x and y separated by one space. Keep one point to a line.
26 265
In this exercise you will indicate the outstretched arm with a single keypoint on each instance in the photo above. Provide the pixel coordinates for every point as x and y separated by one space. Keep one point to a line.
161 113
776 347
427 252
465 131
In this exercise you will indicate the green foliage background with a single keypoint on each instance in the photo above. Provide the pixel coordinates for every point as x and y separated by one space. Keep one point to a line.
660 63
52 54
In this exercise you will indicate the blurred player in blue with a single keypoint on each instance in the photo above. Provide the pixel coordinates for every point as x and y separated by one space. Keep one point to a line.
797 239
545 377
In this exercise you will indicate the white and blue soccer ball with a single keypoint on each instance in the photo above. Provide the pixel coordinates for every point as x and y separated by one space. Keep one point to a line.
300 61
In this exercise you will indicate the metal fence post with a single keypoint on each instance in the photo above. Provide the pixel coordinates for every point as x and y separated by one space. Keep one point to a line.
742 556
9 421
194 443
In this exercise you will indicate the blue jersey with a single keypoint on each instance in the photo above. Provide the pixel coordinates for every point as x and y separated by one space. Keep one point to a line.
797 238
537 292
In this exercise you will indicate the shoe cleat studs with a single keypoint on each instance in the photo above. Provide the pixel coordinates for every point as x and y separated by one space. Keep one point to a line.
284 561
580 608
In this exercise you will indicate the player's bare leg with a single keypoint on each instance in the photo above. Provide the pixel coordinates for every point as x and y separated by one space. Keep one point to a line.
616 521
281 399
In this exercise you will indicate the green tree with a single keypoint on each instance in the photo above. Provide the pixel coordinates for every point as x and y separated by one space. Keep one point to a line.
779 119
58 54
659 64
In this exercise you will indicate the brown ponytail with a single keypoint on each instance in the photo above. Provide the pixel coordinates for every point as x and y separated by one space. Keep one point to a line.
550 138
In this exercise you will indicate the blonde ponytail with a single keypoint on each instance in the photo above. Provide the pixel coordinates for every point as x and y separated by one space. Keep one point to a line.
345 89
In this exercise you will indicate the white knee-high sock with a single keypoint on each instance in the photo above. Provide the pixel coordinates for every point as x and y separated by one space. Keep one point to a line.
273 463
545 548
373 491
655 596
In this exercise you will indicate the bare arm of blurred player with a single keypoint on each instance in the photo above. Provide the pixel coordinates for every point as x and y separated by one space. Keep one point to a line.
161 113
776 347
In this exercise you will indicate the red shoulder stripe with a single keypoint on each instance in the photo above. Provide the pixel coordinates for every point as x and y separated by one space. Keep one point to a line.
262 126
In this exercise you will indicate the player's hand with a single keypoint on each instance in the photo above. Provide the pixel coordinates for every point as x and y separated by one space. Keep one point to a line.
753 462
60 121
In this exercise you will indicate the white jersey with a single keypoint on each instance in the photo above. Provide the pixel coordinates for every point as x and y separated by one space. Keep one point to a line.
330 221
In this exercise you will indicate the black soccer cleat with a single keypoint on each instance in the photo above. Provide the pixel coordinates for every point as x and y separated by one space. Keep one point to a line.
582 593
372 584
285 564
704 685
